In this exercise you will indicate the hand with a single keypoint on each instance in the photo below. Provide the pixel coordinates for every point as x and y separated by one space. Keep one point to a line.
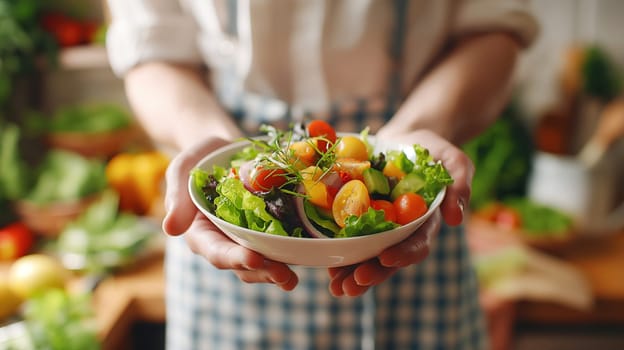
206 239
356 279
457 163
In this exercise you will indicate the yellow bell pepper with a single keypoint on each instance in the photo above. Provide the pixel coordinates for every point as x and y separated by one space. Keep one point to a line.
138 178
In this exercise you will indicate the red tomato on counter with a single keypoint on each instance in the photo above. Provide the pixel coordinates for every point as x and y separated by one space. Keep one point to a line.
15 241
508 218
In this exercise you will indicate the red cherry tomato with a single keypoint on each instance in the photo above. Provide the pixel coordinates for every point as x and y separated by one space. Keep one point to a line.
508 218
409 207
15 241
387 207
325 132
488 212
264 179
66 30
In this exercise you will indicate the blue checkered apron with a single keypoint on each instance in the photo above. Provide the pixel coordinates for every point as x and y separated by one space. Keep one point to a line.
429 306
433 305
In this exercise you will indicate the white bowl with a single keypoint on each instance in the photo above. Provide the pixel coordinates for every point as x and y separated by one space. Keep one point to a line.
314 252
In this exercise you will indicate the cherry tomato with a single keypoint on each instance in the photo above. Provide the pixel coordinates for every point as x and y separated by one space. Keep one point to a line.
387 207
508 218
264 179
351 147
15 241
325 134
409 207
303 154
344 176
351 199
391 170
352 167
317 192
488 212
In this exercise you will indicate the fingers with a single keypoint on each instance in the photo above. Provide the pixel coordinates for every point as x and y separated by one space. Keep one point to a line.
342 282
461 169
180 208
415 248
204 239
273 272
355 280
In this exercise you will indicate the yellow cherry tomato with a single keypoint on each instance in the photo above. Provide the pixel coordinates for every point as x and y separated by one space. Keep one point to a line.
316 191
303 154
391 170
351 199
351 147
355 168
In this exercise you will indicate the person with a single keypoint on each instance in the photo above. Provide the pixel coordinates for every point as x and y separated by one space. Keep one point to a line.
199 74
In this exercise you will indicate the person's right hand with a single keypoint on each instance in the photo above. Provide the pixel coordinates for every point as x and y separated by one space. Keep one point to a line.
203 237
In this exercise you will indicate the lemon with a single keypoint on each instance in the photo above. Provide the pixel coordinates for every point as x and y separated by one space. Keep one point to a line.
35 273
9 301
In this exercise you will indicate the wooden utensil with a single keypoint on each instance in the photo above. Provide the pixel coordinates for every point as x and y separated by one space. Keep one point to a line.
609 129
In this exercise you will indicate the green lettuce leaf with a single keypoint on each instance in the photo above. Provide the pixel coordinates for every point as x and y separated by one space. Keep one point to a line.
373 221
240 207
325 223
400 160
435 175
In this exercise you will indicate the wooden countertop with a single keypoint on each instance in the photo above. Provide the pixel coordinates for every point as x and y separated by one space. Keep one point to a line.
137 294
601 260
134 295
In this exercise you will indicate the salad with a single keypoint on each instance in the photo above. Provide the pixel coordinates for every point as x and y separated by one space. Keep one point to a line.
310 182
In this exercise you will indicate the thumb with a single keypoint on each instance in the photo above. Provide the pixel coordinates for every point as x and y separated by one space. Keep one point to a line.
178 204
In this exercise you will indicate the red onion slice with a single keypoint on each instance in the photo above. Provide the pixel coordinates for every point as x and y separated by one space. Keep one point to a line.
307 224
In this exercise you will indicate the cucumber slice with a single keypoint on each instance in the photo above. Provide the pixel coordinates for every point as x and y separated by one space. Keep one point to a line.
412 182
375 181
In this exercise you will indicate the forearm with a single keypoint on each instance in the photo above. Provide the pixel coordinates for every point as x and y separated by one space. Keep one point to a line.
464 93
175 106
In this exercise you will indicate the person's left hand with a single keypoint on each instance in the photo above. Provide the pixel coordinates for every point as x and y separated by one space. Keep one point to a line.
355 280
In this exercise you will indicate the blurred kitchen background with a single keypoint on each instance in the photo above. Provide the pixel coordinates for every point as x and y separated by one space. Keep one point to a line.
81 188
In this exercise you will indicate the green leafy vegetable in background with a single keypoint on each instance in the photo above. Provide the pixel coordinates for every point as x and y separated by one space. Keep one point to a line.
58 320
13 174
103 238
539 219
85 118
601 77
22 43
503 157
64 176
494 268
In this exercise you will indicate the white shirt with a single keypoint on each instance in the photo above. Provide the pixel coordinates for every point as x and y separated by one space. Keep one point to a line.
304 53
